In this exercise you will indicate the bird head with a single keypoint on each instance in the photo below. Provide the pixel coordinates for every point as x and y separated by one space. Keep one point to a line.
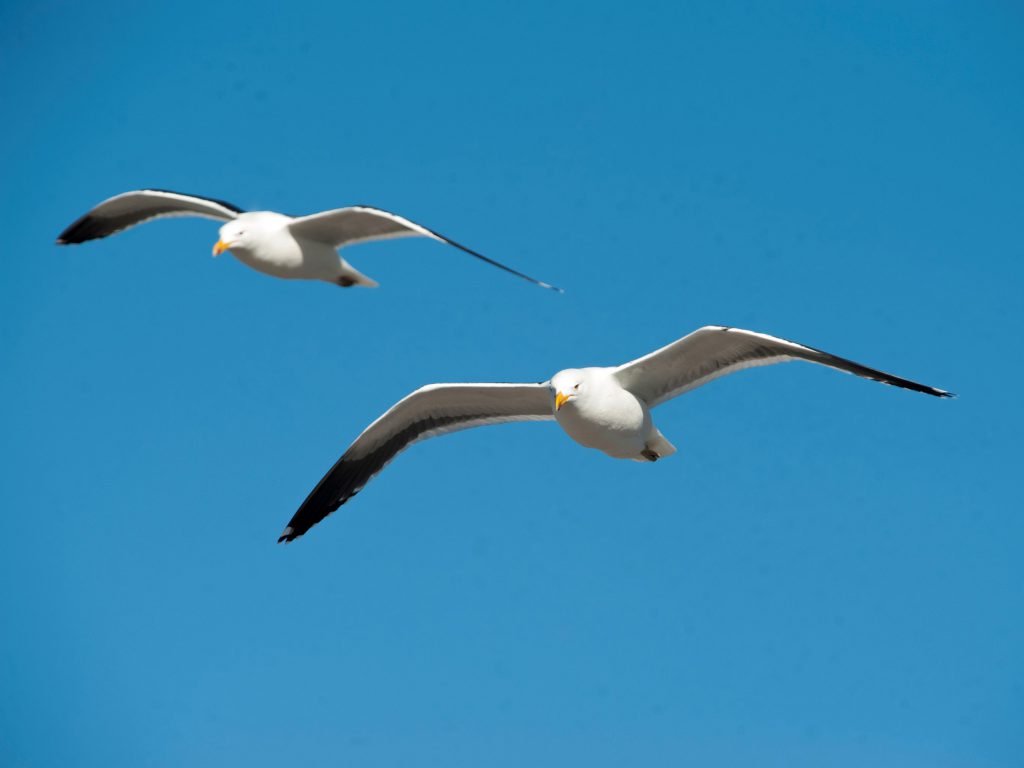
234 234
567 385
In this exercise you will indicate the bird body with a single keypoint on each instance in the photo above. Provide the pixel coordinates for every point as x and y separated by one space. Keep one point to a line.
289 247
263 240
608 409
599 413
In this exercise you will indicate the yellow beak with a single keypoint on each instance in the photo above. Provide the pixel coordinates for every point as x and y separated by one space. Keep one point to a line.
219 247
560 400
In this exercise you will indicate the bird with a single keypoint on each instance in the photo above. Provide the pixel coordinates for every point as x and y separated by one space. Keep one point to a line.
605 408
290 247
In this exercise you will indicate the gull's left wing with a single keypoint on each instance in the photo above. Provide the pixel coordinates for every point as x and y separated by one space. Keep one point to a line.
715 351
437 409
363 224
132 208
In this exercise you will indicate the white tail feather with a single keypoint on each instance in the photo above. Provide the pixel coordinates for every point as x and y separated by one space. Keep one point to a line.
351 276
659 445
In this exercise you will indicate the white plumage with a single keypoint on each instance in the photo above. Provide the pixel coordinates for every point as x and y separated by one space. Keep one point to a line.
295 248
604 408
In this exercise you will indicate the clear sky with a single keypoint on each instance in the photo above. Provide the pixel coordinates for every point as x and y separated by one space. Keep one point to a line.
829 571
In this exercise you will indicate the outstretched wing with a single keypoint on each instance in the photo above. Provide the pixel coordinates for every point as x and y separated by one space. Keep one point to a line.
130 208
715 351
363 224
433 410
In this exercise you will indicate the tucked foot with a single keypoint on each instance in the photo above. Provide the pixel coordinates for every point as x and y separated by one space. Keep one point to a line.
350 277
650 455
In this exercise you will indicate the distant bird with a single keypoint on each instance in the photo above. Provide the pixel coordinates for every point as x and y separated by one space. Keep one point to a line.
295 248
603 408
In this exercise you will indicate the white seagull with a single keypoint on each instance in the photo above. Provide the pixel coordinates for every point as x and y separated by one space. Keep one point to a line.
604 408
292 247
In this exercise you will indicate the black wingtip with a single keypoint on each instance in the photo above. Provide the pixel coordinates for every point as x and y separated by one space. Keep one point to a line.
288 534
69 235
81 230
925 389
494 263
913 386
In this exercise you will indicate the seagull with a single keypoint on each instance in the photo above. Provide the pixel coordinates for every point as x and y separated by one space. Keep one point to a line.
608 409
291 247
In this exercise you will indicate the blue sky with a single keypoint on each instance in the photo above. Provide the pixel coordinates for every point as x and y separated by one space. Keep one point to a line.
828 572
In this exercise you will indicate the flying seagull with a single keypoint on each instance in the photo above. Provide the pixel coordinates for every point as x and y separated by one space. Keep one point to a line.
604 408
292 247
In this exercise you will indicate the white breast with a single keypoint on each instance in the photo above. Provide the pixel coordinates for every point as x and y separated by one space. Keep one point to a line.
606 417
276 252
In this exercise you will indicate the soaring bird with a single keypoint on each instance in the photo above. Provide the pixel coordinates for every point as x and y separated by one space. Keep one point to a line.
604 408
292 247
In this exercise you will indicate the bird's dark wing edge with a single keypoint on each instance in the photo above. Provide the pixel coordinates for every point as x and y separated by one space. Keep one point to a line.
466 249
351 473
850 366
684 365
94 224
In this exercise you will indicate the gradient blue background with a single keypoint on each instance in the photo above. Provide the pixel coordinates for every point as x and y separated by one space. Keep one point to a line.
828 573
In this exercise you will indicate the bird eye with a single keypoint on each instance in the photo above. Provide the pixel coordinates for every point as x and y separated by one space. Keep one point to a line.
576 388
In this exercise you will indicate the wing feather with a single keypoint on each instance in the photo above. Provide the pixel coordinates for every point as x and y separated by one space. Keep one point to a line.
362 224
129 209
437 409
714 351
